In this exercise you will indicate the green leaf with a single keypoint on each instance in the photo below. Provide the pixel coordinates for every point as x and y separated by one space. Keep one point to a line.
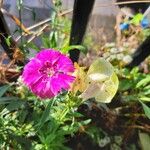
128 98
22 115
66 49
145 141
33 14
33 46
77 114
137 19
144 98
146 109
3 89
6 100
143 82
8 40
85 122
24 142
45 41
13 105
146 92
146 32
53 39
45 115
125 85
147 87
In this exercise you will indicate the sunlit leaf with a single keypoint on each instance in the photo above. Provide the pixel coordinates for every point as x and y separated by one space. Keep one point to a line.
137 19
145 141
146 109
143 82
144 98
147 92
147 87
8 40
66 49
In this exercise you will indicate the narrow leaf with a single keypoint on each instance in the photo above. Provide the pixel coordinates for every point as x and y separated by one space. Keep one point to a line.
144 98
3 89
145 141
146 109
45 114
6 100
143 82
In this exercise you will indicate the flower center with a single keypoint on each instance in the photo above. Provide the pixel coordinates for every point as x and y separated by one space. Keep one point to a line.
47 69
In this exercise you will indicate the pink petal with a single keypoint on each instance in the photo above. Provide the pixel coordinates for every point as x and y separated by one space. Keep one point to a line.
55 85
47 91
61 81
65 64
48 55
29 76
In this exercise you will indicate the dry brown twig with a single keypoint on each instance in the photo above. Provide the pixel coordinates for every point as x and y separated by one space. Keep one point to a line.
7 71
42 23
144 128
16 20
37 33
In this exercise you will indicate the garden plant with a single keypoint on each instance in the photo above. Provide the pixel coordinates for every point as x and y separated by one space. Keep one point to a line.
51 101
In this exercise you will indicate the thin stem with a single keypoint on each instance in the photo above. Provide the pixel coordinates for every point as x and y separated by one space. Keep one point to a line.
147 129
20 18
65 111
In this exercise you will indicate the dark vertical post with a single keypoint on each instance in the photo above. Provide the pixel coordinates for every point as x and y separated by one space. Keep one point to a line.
4 34
141 53
12 50
81 13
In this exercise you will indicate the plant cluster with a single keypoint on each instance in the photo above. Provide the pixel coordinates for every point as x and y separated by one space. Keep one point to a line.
54 101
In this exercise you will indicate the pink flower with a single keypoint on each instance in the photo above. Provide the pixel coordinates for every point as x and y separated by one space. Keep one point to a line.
48 73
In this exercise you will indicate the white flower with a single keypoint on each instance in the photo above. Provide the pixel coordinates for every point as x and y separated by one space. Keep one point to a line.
127 59
109 45
120 56
114 50
121 49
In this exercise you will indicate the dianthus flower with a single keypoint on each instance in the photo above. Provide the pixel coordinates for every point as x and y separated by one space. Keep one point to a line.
48 73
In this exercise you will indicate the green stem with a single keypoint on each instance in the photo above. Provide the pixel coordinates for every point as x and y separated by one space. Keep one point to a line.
20 18
65 111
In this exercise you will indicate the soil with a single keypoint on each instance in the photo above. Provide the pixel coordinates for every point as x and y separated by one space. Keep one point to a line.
112 123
